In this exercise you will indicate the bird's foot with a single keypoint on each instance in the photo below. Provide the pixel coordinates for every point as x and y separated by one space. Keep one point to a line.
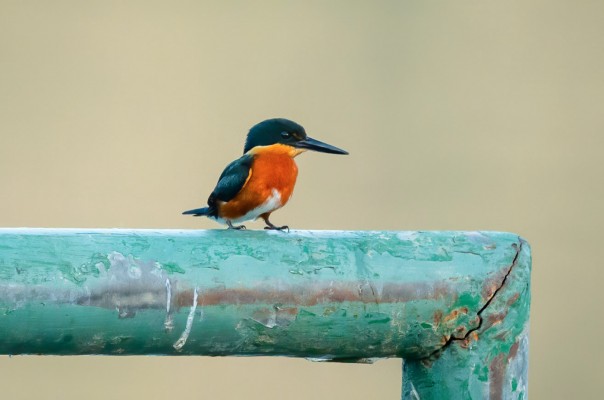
236 227
277 228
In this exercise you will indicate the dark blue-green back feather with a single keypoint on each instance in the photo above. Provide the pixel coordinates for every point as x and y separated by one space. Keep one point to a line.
232 178
230 183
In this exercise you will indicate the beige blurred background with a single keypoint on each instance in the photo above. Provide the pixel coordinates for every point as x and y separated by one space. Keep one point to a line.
457 115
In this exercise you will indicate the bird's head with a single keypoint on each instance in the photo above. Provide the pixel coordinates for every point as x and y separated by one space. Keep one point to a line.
286 132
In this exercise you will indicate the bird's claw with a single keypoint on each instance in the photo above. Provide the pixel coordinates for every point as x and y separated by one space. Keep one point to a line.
278 228
236 227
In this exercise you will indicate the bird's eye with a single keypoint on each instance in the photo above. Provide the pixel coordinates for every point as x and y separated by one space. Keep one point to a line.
285 135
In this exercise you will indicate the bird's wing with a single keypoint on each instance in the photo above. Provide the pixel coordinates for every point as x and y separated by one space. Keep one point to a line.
232 179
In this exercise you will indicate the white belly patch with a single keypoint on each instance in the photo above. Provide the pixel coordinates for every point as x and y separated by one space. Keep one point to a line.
271 204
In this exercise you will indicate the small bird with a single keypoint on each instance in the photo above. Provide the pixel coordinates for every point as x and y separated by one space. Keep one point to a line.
263 179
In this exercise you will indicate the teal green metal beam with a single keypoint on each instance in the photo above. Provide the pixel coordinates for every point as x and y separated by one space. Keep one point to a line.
453 305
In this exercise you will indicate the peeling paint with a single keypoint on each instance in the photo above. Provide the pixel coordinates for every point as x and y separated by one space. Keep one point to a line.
495 351
168 295
169 321
182 340
493 319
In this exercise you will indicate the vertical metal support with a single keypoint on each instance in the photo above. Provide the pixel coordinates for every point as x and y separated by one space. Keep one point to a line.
489 361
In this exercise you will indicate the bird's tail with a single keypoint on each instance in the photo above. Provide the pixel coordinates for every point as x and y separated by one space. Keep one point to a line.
199 212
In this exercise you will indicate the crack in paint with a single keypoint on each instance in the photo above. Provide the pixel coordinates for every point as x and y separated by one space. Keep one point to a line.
453 338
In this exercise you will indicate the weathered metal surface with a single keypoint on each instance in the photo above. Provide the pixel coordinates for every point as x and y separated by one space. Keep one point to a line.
489 361
423 296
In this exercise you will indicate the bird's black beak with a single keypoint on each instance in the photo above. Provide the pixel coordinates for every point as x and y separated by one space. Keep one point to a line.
316 145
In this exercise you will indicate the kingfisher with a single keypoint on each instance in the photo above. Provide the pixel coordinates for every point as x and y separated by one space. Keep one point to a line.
263 179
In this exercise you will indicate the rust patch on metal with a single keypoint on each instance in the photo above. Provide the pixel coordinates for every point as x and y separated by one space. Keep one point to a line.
461 331
513 299
476 321
453 315
467 341
501 336
438 316
309 296
492 284
403 292
490 293
495 319
513 350
497 377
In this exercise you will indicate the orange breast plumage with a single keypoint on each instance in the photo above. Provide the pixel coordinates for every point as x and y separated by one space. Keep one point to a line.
269 186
